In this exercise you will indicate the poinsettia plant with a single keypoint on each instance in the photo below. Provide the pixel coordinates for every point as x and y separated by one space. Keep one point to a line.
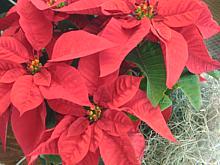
77 78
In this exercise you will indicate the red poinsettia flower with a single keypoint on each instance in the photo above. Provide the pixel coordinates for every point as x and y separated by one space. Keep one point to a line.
38 81
81 138
136 19
102 124
26 82
121 91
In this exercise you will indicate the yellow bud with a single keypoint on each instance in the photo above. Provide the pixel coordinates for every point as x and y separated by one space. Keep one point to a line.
37 61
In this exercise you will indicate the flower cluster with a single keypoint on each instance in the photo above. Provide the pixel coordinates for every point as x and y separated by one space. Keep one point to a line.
78 77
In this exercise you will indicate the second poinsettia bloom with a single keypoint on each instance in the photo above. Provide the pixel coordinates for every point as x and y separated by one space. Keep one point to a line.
131 21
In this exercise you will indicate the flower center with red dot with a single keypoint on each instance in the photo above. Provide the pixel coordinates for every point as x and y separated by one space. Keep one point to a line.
145 9
94 113
34 66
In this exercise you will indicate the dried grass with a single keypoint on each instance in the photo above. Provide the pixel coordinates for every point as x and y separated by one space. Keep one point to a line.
198 133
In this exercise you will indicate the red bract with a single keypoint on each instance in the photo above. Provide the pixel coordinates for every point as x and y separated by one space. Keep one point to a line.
199 60
78 141
138 18
69 6
103 125
122 93
25 82
37 28
35 82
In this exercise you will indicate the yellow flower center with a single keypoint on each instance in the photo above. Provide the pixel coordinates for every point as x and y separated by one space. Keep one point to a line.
144 9
94 113
34 66
58 6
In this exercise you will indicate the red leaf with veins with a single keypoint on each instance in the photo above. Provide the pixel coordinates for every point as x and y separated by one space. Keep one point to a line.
67 84
199 60
82 44
9 19
37 28
66 107
42 78
206 24
96 138
111 59
73 149
115 123
12 75
138 142
25 95
49 140
118 92
78 127
12 50
176 55
5 66
92 158
29 127
117 150
141 107
89 68
179 13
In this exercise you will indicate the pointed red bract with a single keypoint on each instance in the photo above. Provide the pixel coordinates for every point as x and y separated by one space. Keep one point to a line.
92 158
73 149
89 69
11 75
37 28
42 78
176 55
141 107
82 44
25 95
66 107
138 142
118 92
11 50
111 59
115 123
206 24
9 19
167 113
199 60
117 150
49 140
179 13
29 127
67 84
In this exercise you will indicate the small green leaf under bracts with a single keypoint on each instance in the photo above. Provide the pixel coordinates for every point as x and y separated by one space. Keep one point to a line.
165 103
132 117
51 159
190 85
148 57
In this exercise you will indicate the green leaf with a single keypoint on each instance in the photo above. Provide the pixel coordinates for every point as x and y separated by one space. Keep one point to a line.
215 74
132 117
148 57
52 159
190 85
165 103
